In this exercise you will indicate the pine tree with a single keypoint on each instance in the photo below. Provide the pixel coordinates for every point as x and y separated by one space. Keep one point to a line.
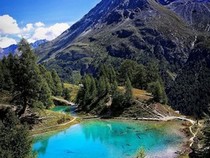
158 91
114 87
66 94
28 81
139 79
127 69
87 93
112 75
108 86
152 73
128 90
48 77
14 137
93 89
80 96
58 89
101 86
7 83
45 94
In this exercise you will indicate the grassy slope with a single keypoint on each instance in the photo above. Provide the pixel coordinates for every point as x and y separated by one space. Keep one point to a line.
138 94
52 121
73 88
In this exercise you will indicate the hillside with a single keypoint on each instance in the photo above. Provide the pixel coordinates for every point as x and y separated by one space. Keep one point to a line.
165 32
13 49
127 29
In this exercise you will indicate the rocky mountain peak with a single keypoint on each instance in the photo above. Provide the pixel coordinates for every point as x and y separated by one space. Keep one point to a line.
195 12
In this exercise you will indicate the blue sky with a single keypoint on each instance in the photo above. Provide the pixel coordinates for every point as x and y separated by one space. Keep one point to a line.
38 19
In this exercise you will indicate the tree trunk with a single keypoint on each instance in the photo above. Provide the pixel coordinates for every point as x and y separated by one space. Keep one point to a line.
23 110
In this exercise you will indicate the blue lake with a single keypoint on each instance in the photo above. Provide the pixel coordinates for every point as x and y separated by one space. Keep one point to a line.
65 109
110 139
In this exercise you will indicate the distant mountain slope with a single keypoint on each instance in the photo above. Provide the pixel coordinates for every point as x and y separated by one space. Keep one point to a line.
195 12
167 32
5 51
123 28
13 48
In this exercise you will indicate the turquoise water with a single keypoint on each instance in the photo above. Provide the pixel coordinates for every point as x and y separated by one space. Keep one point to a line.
108 139
61 109
65 109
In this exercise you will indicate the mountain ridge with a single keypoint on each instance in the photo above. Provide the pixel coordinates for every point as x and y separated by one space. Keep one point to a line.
141 30
83 37
14 48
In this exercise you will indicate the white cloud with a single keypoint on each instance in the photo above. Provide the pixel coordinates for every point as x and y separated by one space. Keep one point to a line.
49 33
5 42
26 31
29 27
8 25
31 31
39 24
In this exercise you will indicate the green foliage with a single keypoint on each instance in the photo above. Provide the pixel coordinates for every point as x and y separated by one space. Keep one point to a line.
190 93
143 77
102 86
47 76
152 72
119 103
57 88
14 137
139 75
31 84
75 77
139 78
107 72
128 90
45 94
127 68
94 91
87 92
7 83
66 94
158 92
28 80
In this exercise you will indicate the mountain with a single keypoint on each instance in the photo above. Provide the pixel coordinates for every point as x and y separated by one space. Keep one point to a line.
14 48
38 43
125 29
165 32
6 51
190 11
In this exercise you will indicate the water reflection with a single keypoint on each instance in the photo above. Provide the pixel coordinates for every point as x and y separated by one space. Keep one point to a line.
126 135
41 146
107 139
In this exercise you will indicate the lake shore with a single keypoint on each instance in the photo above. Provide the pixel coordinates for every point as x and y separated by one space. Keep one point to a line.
181 127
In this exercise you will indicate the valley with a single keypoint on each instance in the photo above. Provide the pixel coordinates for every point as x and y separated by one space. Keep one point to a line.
129 79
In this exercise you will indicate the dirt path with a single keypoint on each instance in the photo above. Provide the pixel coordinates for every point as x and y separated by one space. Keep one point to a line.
63 101
194 133
63 124
190 128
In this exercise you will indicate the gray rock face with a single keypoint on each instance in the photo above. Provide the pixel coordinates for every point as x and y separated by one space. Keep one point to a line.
142 30
168 32
195 12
